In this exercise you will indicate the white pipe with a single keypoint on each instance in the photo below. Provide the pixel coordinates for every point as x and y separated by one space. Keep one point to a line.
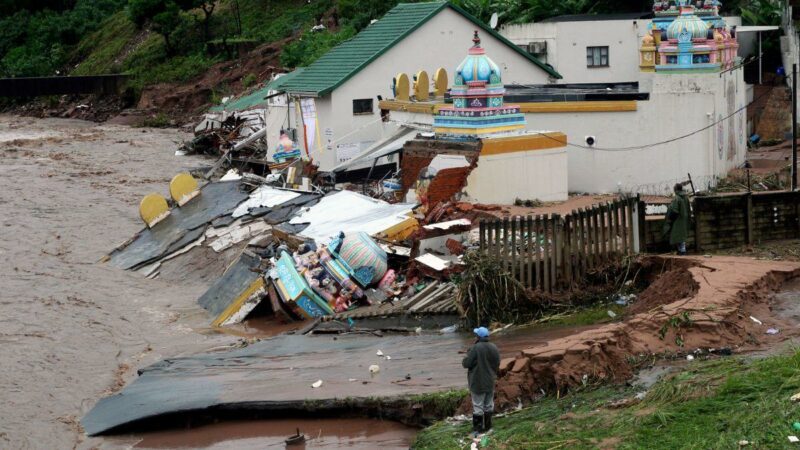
253 137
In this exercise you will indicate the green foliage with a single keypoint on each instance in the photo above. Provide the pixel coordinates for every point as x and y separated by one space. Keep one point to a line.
359 13
249 80
762 12
312 45
36 42
708 405
160 120
99 52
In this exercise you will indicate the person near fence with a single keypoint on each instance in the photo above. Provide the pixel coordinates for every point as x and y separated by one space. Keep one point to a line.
676 225
483 363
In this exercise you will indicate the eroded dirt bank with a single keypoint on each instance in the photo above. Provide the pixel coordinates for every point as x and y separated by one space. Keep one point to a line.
698 303
72 331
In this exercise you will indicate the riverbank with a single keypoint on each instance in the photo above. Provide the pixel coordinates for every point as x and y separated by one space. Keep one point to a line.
715 404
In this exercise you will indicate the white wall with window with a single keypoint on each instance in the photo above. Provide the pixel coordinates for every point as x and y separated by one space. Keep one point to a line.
597 56
604 49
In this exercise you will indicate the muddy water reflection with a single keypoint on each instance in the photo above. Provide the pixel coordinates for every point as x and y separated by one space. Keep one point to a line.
320 433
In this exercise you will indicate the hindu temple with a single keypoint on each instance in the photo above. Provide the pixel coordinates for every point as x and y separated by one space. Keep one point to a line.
478 108
688 36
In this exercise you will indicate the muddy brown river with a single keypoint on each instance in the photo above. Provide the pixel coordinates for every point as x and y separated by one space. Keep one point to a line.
71 330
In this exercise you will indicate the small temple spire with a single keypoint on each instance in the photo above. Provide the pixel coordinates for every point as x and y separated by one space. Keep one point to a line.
476 39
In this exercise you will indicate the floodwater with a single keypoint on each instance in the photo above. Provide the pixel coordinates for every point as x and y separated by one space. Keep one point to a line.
357 434
72 330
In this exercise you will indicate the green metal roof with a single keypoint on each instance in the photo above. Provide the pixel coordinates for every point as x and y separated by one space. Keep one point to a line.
348 58
256 97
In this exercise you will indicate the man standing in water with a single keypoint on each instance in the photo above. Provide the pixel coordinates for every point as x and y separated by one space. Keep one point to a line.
677 220
483 362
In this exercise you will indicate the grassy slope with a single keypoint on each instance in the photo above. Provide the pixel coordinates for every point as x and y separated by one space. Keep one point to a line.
147 62
711 405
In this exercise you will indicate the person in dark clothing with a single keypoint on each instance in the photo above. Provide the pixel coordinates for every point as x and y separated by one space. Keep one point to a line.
676 225
483 363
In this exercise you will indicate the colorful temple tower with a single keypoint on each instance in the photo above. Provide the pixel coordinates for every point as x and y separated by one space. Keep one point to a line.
478 109
688 36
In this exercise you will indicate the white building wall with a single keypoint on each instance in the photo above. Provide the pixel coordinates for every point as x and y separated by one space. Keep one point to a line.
536 174
680 104
567 43
443 41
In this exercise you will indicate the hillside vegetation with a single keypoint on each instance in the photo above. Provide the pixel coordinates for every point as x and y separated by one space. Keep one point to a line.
175 41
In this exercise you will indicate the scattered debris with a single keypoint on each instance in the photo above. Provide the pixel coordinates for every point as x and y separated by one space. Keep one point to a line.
316 384
374 368
296 439
756 320
773 331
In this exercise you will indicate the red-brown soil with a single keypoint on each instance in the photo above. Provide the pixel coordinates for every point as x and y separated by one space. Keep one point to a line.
183 101
700 303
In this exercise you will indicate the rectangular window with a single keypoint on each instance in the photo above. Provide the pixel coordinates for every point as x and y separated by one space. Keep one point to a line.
597 56
362 106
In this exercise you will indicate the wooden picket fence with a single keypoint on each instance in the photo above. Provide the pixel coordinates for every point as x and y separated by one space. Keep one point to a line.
552 253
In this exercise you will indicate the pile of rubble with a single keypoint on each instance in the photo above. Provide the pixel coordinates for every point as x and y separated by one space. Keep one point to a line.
298 251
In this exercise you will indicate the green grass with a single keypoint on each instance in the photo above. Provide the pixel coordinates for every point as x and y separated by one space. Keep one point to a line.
592 315
711 405
99 51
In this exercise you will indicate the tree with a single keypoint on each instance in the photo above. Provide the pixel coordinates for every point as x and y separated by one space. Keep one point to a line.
165 22
207 6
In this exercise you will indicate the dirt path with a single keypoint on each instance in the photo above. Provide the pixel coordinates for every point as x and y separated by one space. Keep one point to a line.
727 305
71 330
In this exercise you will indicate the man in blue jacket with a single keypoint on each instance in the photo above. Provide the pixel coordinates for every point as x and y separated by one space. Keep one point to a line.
483 362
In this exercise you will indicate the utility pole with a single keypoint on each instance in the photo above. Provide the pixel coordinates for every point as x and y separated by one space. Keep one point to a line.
794 126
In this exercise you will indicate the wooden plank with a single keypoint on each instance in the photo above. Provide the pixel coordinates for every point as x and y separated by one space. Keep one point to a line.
580 243
612 229
529 254
596 236
623 217
538 252
555 269
588 236
604 232
482 235
618 228
505 244
748 211
569 249
497 238
546 254
514 267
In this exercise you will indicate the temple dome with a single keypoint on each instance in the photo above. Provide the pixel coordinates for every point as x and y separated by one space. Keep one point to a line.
688 21
478 67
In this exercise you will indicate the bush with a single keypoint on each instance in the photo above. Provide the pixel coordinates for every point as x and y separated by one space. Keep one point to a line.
249 80
312 45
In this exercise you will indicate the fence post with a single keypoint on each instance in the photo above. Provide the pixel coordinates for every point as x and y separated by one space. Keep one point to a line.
625 226
637 211
505 244
514 247
546 259
698 230
538 261
569 249
748 212
555 273
482 236
612 222
529 253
